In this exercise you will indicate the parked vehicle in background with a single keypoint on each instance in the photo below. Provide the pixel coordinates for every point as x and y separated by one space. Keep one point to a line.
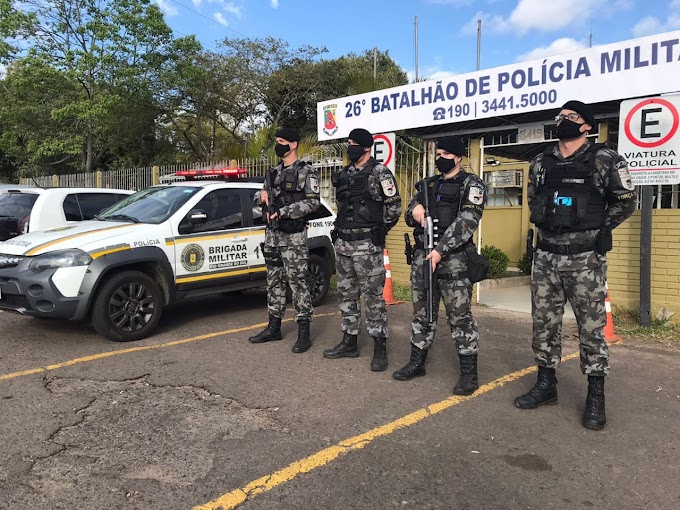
25 209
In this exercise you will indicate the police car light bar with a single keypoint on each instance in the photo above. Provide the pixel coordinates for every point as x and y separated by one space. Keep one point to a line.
222 172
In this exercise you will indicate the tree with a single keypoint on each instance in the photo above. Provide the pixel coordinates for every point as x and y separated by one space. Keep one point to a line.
109 50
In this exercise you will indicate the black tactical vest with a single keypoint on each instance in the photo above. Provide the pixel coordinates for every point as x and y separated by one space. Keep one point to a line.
445 197
286 193
567 199
357 209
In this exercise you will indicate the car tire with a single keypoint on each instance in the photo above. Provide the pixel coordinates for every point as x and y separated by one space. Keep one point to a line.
319 279
128 307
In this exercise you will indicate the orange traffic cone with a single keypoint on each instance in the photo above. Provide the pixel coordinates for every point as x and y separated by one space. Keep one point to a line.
609 334
388 292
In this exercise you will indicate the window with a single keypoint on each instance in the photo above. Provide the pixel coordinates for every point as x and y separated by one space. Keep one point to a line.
223 207
505 187
17 205
71 209
94 203
258 219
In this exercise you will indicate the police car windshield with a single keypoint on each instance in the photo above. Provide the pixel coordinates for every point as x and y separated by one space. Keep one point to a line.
152 205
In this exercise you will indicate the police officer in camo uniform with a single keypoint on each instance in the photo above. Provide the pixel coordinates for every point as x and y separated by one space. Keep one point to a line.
578 192
456 201
369 206
290 194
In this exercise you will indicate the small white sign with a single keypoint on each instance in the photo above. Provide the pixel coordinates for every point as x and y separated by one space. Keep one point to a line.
531 133
383 150
648 139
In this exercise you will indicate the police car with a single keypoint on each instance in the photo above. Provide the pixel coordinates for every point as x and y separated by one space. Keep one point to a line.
163 244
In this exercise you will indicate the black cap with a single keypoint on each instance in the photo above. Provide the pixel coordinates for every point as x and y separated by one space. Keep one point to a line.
452 145
288 134
583 110
362 137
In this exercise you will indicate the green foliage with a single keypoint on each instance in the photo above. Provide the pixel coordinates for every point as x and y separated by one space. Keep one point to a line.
498 260
100 84
525 264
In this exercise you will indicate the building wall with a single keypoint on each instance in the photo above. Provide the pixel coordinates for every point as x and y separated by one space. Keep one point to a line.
624 263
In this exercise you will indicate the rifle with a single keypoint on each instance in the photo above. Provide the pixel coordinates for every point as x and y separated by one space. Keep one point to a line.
269 209
429 246
267 212
530 245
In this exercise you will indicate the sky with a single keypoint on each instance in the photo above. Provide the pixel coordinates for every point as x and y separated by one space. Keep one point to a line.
512 30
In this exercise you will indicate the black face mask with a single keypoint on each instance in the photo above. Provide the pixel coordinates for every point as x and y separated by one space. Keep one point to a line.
281 150
445 165
355 152
568 130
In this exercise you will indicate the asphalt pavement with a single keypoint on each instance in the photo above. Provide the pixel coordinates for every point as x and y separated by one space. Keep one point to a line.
197 417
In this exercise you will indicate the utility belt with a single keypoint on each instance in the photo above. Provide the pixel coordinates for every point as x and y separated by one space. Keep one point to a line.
566 249
288 226
377 235
419 245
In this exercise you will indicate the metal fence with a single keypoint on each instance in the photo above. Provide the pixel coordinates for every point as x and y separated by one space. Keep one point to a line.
409 158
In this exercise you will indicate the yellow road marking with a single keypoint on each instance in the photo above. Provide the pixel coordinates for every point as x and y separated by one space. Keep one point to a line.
234 498
120 352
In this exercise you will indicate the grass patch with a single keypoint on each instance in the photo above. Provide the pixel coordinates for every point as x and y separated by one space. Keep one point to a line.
627 324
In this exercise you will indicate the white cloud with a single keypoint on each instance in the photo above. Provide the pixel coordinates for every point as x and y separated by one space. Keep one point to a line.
3 71
232 8
675 4
219 17
490 23
197 3
536 15
167 7
651 25
549 16
558 47
275 4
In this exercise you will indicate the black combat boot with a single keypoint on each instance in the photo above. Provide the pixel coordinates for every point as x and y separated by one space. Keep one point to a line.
271 332
467 382
379 361
345 349
543 392
303 342
415 367
593 415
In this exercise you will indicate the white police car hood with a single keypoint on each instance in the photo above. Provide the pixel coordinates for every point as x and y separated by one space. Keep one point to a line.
89 236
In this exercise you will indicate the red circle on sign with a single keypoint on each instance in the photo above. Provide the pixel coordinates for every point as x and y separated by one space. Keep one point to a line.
674 128
389 145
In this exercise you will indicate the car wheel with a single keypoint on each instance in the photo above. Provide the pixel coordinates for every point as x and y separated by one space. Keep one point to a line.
128 307
319 278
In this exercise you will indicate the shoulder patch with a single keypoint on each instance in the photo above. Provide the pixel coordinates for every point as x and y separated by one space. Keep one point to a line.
389 187
313 182
624 175
476 194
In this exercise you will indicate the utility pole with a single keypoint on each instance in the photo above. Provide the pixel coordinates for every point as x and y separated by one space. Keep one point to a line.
479 41
375 65
416 46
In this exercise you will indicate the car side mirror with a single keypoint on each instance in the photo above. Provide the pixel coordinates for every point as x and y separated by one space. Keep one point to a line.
198 217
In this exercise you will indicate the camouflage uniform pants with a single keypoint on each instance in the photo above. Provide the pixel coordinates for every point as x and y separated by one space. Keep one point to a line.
580 278
362 274
456 293
288 264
